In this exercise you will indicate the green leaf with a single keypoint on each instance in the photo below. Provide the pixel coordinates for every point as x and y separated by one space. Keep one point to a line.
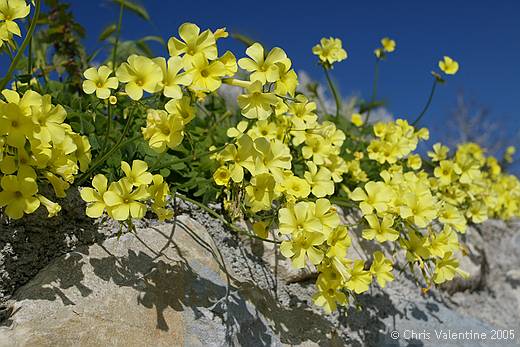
165 172
109 30
135 8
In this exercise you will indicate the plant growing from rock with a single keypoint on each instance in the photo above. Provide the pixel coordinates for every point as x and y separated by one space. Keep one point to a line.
144 128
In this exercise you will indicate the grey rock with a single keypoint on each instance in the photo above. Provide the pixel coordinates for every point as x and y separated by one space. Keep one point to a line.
167 285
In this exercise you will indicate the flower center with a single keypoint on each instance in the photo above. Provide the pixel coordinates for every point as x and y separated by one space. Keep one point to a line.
204 73
14 124
18 194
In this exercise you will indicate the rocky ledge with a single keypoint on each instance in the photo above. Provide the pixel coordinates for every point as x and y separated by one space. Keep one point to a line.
194 283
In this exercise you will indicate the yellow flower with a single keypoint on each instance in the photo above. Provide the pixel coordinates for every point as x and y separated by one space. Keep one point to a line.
17 125
446 172
18 195
328 296
318 148
137 174
273 156
443 242
380 230
206 76
99 81
330 50
377 196
112 99
242 155
419 209
163 130
449 215
193 42
509 153
298 218
172 79
230 63
261 192
123 202
52 208
382 269
359 278
296 187
287 81
415 247
263 68
222 176
338 242
94 196
302 112
303 243
181 107
257 104
439 152
414 161
357 119
140 74
388 44
449 66
446 268
320 180
50 120
11 10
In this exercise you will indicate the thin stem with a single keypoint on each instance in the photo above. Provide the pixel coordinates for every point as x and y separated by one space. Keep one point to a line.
334 91
432 92
374 90
118 33
21 50
109 125
29 60
179 160
220 218
109 153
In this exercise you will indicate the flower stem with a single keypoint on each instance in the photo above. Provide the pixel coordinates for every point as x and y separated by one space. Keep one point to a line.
220 218
432 92
21 50
105 156
374 90
118 33
334 91
109 125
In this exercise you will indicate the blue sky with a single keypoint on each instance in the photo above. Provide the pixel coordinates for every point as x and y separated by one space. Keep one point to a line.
483 36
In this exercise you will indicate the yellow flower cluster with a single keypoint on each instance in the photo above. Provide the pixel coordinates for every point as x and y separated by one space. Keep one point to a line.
281 133
36 148
329 51
127 198
193 64
387 46
474 184
395 140
10 10
282 166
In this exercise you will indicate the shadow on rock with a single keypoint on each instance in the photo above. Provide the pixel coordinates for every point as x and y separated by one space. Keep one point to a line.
29 244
